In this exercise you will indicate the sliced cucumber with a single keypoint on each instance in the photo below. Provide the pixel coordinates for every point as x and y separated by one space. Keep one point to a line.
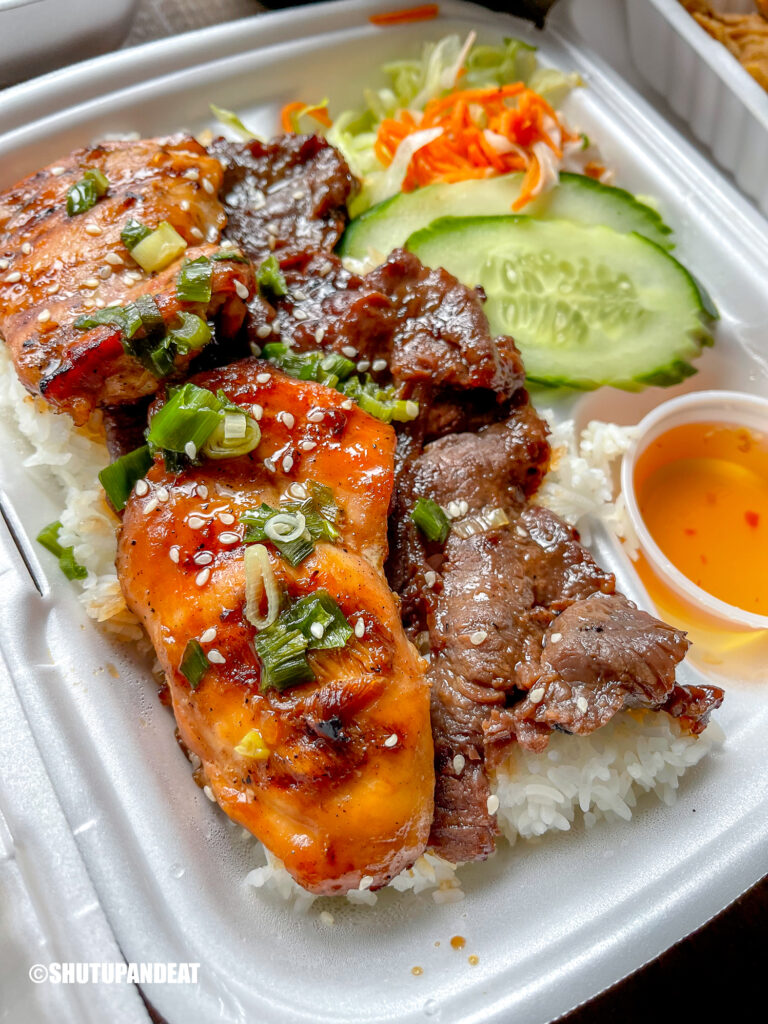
586 305
387 225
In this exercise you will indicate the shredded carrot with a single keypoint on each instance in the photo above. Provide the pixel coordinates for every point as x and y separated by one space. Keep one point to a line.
463 150
424 13
320 114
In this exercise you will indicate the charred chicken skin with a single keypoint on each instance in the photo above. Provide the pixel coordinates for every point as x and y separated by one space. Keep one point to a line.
343 791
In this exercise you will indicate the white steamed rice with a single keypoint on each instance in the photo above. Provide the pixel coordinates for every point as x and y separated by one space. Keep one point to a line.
576 779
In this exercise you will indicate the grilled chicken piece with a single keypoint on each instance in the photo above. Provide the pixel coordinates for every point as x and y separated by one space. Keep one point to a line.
347 790
54 267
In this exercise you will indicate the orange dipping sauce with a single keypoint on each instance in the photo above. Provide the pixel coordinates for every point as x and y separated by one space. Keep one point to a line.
702 490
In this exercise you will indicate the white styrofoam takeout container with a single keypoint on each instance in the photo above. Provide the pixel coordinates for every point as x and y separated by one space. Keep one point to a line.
159 867
705 84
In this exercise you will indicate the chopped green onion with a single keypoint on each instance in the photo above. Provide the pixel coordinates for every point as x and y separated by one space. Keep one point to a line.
260 583
133 233
283 657
431 520
221 446
318 527
84 194
109 315
194 664
49 538
232 255
255 521
325 369
191 414
382 403
252 745
150 314
265 523
319 610
270 278
118 479
190 334
285 527
324 502
337 365
231 120
194 281
160 248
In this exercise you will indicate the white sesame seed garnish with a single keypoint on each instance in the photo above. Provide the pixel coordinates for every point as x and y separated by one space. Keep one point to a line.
363 365
458 763
275 327
100 303
325 916
92 229
365 883
196 232
212 234
349 351
430 578
226 518
184 205
272 229
555 638
307 446
298 194
257 411
272 243
202 490
209 793
208 636
378 365
26 248
391 740
196 522
44 316
299 314
229 537
263 331
4 264
13 277
492 804
299 296
150 506
216 657
478 637
105 273
90 282
582 704
203 558
131 277
521 532
57 171
319 334
347 403
463 507
412 409
536 695
209 187
192 173
269 465
317 629
287 463
174 554
114 258
315 416
287 418
241 290
452 509
190 449
325 268
360 628
141 488
202 577
163 494
263 378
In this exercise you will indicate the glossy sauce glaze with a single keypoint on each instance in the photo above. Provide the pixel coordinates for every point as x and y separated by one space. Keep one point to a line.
702 490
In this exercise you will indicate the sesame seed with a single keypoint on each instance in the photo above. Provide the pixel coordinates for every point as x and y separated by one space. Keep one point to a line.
463 507
492 804
209 187
57 171
114 258
203 558
555 638
212 234
196 232
452 509
4 264
287 419
263 378
536 695
228 537
209 793
287 463
325 268
184 205
391 740
360 628
208 636
275 327
363 365
478 637
105 273
269 464
26 248
192 173
202 577
13 277
100 303
263 331
365 882
347 403
458 763
298 194
92 229
272 243
299 314
241 290
190 449
174 554
521 532
325 916
202 490
44 316
412 409
307 446
430 578
196 522
131 277
378 365
319 334
150 506
257 411
226 518
299 296
317 629
582 705
349 351
141 488
90 282
216 657
272 229
315 416
53 289
163 494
